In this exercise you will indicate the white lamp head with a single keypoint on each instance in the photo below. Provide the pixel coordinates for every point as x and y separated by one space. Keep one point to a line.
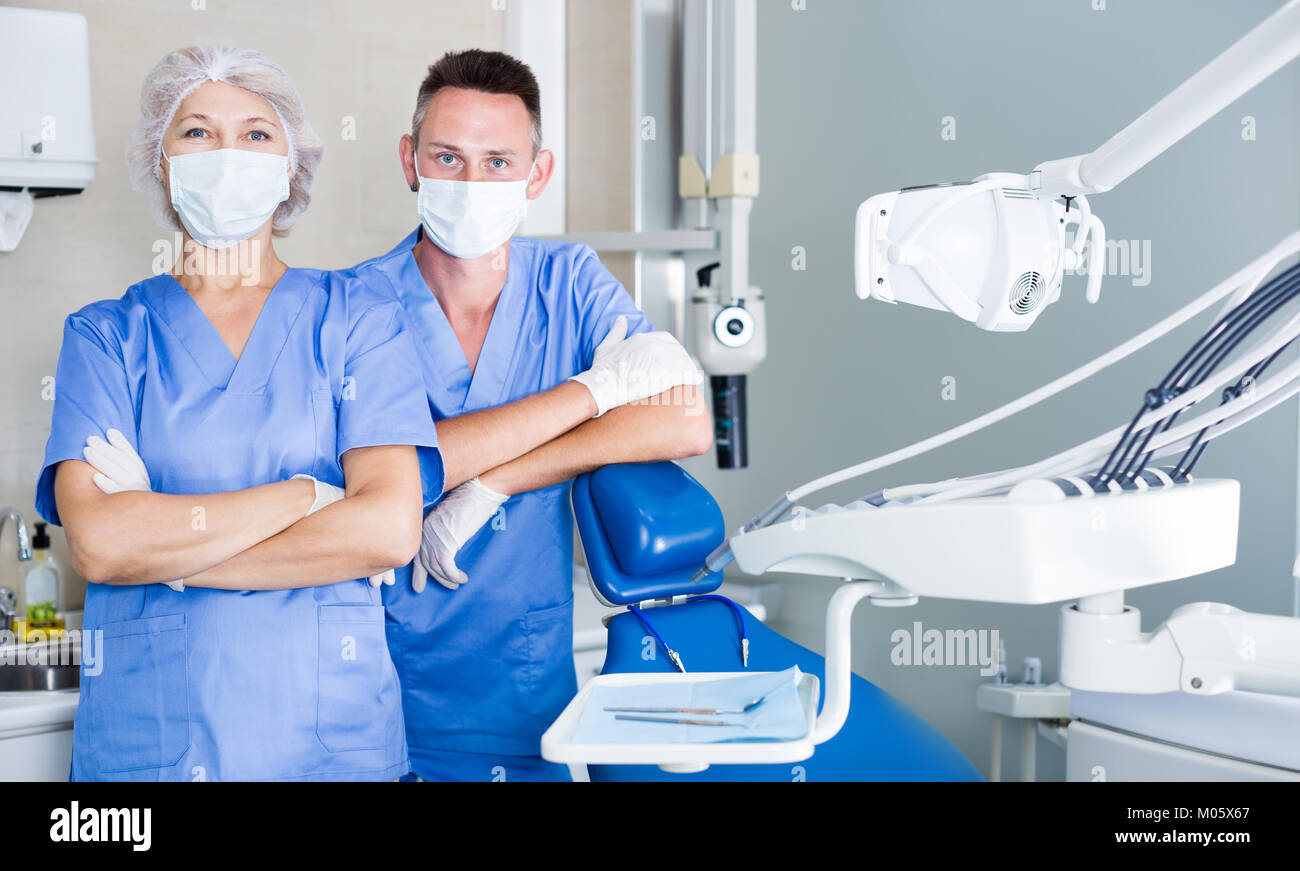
991 251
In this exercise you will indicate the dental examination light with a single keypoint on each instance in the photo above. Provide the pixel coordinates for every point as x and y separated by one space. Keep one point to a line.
989 252
993 251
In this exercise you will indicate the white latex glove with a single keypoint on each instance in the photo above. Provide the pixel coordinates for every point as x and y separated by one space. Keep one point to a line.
328 494
118 468
451 523
627 369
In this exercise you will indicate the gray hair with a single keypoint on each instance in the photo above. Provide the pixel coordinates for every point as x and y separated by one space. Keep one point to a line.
175 77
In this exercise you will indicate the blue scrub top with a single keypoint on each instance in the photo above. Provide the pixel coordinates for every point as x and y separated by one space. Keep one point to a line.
223 685
488 667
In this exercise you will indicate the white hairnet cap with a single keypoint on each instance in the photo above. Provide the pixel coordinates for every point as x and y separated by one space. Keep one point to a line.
175 77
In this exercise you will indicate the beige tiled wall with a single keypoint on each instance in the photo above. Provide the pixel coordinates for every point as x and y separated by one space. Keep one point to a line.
601 121
351 60
598 135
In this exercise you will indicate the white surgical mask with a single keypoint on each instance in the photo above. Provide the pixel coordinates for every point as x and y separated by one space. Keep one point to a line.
468 219
225 196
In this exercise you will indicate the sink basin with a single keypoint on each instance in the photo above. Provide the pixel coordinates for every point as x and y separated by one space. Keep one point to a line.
48 665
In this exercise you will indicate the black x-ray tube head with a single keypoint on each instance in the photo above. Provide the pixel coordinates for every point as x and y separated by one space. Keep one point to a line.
729 430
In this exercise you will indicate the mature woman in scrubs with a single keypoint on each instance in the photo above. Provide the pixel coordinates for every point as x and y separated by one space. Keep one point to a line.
233 454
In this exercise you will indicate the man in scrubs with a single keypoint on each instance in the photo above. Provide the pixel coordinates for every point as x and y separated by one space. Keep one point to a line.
531 383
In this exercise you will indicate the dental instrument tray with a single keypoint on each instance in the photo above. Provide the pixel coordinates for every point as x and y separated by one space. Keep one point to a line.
1034 548
561 742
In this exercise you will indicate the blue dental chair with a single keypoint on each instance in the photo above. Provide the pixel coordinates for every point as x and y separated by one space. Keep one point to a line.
645 528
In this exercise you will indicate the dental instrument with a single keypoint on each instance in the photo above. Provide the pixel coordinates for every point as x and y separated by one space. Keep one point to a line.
781 724
674 720
668 710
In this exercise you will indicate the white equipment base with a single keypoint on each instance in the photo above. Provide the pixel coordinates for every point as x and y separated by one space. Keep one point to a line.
558 746
1258 728
1097 753
998 549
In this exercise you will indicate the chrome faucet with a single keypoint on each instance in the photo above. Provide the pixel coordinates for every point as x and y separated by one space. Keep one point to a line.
24 541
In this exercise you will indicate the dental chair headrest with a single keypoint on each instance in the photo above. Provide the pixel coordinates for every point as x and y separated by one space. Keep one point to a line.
645 529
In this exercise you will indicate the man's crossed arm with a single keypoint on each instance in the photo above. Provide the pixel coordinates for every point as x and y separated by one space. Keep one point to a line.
672 425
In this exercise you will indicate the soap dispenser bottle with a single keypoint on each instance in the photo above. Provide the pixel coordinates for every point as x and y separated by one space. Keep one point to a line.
41 583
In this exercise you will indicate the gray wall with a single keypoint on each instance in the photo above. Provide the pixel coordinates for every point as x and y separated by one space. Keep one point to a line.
851 97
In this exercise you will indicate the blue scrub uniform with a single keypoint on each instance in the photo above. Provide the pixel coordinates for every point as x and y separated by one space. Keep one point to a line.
223 685
485 669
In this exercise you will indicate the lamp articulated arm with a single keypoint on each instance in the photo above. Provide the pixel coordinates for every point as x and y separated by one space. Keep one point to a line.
1272 44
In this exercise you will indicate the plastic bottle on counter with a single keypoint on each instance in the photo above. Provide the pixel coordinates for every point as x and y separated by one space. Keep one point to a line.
41 587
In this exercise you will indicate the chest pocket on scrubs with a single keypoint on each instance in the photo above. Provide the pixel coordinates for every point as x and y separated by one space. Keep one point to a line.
134 713
357 695
326 415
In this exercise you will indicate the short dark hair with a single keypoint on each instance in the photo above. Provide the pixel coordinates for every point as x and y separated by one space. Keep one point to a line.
492 72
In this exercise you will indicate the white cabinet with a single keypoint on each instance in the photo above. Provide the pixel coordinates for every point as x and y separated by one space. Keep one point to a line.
43 756
36 735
